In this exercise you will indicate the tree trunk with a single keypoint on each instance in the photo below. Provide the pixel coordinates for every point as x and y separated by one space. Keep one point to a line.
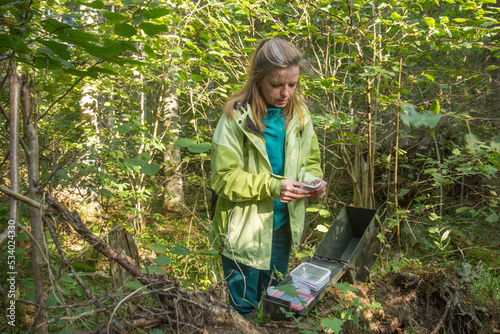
124 243
174 194
30 129
14 90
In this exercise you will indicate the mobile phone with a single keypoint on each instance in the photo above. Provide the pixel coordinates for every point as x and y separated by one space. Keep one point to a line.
310 187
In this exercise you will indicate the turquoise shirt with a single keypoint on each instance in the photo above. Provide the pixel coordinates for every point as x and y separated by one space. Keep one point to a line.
274 135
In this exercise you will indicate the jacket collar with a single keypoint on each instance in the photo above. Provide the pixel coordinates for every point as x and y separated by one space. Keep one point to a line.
247 115
251 125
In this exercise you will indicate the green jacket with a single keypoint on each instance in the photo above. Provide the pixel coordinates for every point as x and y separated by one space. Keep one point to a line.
241 175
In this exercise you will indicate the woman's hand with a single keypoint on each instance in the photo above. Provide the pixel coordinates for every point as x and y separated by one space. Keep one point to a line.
290 191
320 191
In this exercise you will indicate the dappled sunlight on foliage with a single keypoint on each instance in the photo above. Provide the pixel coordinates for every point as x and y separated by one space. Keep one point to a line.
124 98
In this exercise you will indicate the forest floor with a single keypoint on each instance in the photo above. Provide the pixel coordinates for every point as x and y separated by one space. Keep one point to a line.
431 301
455 292
420 291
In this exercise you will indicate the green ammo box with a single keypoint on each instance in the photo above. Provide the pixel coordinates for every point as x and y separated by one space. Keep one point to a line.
348 249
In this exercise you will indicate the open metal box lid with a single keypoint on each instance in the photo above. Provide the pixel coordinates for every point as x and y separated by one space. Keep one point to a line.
352 239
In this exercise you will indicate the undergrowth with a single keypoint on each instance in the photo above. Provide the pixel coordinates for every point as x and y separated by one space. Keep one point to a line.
175 244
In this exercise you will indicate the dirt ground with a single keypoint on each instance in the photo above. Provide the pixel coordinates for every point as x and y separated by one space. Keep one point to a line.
435 301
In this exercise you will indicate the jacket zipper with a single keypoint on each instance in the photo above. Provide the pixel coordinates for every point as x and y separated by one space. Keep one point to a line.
227 231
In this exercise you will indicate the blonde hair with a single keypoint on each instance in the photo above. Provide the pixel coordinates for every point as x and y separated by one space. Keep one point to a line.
270 53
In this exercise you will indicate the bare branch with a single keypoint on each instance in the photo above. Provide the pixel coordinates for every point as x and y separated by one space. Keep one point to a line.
23 198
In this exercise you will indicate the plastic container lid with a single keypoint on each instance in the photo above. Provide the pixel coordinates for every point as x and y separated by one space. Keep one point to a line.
303 299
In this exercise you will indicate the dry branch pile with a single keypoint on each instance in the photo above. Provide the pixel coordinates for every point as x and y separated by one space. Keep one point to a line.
181 310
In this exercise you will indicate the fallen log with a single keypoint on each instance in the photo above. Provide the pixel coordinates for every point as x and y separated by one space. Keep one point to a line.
188 312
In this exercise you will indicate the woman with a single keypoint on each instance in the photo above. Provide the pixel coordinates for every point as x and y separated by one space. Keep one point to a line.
264 150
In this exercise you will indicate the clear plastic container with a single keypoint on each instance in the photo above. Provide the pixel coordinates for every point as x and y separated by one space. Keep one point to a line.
310 275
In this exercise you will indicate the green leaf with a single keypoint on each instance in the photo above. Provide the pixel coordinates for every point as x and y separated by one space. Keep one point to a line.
431 23
135 162
80 73
200 148
321 228
288 289
493 218
438 177
30 295
324 213
152 29
466 170
180 250
149 51
13 42
392 223
54 27
462 209
345 287
312 28
395 16
212 252
19 253
433 216
124 128
51 300
97 4
125 30
430 77
425 119
108 53
196 77
184 142
58 48
488 170
445 235
435 107
28 283
67 279
433 230
21 237
131 2
335 324
162 260
133 285
150 169
114 16
156 331
11 3
67 33
303 254
152 269
403 192
156 13
102 70
79 265
182 75
157 248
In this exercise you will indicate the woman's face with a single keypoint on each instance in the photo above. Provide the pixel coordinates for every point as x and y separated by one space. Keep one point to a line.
278 86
